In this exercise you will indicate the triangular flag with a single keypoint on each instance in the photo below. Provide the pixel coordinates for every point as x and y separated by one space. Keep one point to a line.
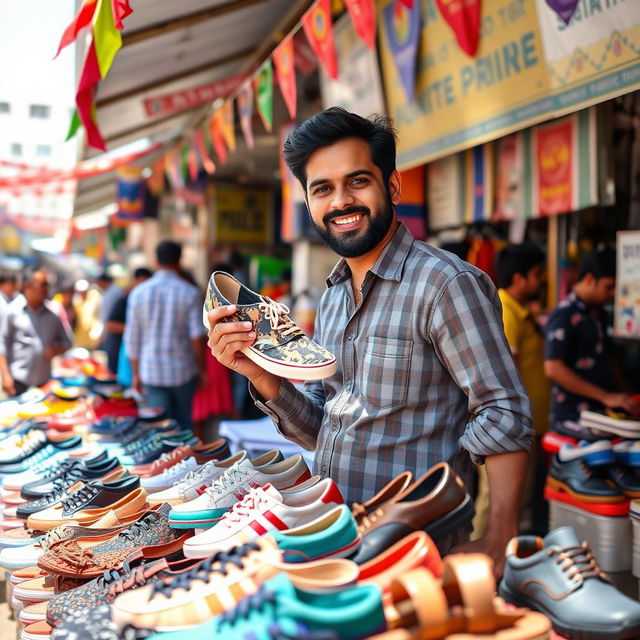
464 20
228 124
82 19
245 111
184 164
286 73
217 139
564 8
192 161
121 9
207 163
407 3
363 16
319 31
263 84
402 27
74 125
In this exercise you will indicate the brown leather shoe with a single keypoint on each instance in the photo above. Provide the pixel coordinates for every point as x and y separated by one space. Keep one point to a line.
391 490
436 503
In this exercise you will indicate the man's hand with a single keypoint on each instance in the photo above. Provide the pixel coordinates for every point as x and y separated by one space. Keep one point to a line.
8 385
620 401
137 384
493 546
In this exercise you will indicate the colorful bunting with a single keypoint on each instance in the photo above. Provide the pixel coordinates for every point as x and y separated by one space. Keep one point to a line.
363 16
263 85
564 8
286 73
207 163
318 28
217 138
192 160
245 111
407 3
463 16
83 19
402 27
228 124
121 9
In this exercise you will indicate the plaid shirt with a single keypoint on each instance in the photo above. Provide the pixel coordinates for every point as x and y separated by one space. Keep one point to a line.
163 315
425 373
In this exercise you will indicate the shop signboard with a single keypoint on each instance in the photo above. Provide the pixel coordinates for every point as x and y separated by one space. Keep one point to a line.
530 67
359 86
627 302
242 216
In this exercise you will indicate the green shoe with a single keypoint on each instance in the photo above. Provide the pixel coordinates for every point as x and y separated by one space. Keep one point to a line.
278 610
334 535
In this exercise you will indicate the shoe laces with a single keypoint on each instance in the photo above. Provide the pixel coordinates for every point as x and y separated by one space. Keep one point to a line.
578 562
119 580
257 601
217 563
195 474
81 496
138 527
278 315
226 481
246 508
55 535
176 468
368 519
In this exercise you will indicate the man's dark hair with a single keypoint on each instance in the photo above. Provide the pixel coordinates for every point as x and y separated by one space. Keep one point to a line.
105 276
8 277
517 258
168 253
29 276
334 125
142 272
600 264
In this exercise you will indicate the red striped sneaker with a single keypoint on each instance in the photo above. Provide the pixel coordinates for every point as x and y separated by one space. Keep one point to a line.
265 510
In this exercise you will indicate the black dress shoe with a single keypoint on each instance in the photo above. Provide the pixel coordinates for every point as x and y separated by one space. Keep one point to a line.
579 480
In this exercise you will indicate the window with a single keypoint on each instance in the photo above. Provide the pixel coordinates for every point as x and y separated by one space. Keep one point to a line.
43 150
5 107
16 149
39 111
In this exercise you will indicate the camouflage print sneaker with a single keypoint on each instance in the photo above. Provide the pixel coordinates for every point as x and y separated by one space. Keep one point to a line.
281 347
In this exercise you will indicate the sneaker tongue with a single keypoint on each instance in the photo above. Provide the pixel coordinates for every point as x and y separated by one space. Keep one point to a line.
562 537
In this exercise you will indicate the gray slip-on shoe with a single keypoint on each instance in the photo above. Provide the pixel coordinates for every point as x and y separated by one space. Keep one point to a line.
559 577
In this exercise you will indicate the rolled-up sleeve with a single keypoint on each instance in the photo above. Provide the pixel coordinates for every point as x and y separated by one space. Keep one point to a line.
466 332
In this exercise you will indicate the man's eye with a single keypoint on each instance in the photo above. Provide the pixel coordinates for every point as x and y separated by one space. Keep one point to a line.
320 190
359 181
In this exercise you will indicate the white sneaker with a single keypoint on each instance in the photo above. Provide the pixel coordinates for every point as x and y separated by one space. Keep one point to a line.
169 476
264 510
233 486
196 481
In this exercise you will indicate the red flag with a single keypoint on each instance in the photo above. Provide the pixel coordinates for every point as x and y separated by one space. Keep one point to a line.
207 163
363 15
192 161
286 73
217 139
319 31
121 9
407 3
89 78
463 16
83 18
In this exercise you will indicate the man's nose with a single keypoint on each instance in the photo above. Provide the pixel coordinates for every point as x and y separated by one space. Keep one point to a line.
341 198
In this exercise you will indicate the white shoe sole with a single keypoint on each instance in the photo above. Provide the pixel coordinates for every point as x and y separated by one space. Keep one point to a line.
33 636
291 371
31 595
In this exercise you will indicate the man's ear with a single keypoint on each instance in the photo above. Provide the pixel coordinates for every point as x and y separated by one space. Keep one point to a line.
395 187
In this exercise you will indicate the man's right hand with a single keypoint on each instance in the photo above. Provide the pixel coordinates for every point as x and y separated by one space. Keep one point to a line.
620 401
8 385
227 339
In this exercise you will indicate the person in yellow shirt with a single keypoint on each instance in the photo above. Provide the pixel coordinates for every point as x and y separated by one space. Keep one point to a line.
520 271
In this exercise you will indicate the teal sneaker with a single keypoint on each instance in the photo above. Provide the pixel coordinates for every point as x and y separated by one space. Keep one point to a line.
334 535
280 610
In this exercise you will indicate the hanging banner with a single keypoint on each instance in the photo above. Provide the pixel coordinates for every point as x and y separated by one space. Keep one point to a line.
363 14
359 87
627 301
478 183
263 85
228 124
217 138
513 172
245 111
175 101
412 209
318 28
402 28
530 67
207 163
242 215
445 202
564 8
463 16
286 74
129 194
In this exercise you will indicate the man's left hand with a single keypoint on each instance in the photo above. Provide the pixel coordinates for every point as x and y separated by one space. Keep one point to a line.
493 546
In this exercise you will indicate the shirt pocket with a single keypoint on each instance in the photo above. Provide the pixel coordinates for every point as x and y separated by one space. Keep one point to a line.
385 371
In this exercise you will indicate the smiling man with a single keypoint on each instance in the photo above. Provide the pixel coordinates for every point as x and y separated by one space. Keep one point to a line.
424 370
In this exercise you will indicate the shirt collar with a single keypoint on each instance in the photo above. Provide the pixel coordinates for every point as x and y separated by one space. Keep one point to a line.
161 274
513 304
577 300
389 264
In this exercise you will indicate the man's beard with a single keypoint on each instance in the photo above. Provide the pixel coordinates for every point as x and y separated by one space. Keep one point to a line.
353 244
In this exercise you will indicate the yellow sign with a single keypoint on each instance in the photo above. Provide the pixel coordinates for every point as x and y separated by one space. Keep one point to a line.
242 216
529 67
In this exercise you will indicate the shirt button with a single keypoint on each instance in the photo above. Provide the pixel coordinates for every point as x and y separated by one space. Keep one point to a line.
350 337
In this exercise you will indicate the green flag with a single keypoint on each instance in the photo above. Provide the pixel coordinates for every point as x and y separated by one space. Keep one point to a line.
74 125
264 94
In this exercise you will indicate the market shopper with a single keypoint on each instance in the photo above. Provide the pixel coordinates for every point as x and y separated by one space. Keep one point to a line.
164 335
424 371
8 289
30 336
579 356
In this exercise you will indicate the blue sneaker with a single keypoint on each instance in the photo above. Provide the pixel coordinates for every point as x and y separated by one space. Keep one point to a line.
593 453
